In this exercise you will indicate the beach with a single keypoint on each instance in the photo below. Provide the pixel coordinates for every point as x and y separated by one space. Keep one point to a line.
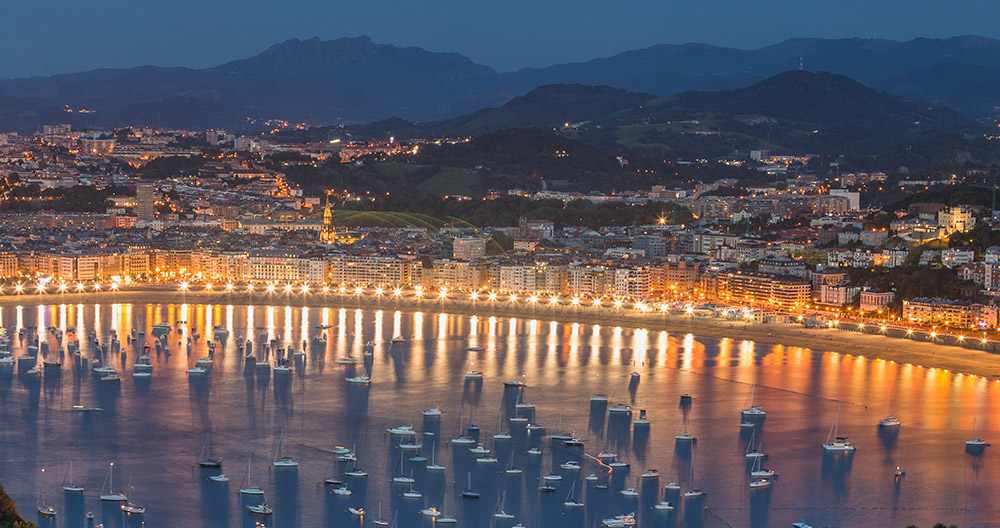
918 349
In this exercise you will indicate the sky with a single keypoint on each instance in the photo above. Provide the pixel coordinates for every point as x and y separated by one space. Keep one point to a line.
44 37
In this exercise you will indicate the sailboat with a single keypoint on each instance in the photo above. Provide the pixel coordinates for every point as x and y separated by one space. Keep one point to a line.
433 466
402 478
111 496
500 514
283 461
754 453
380 521
44 509
570 502
205 460
976 442
468 492
758 482
69 485
840 444
249 489
511 470
888 421
754 411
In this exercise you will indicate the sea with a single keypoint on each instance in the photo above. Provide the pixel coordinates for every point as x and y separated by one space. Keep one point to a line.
155 430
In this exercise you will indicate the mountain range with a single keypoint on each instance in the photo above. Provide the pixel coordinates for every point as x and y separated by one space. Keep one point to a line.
351 80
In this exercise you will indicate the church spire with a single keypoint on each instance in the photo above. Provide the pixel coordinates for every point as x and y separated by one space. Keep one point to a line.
328 234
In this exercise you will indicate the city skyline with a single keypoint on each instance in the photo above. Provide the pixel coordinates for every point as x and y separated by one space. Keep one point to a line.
120 34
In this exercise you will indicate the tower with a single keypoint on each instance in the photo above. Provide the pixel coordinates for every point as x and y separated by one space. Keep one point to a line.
328 234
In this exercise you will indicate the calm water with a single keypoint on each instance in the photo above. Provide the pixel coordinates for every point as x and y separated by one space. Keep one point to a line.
155 430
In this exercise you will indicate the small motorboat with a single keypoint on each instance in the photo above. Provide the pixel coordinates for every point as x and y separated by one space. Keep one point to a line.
260 509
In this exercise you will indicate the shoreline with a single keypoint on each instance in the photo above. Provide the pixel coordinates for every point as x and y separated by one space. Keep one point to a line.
917 349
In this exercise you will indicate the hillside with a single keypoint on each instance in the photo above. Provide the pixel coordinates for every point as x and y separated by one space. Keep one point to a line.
796 111
550 106
355 80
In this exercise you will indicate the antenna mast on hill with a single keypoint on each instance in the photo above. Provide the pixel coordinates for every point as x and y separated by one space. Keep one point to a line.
800 63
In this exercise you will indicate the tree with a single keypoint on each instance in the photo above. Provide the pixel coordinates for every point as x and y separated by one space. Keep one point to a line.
9 516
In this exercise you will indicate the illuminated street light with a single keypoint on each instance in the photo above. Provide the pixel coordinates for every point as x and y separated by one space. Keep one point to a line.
474 295
597 302
79 286
326 289
114 285
513 297
229 287
378 290
357 290
249 287
270 288
208 286
493 296
288 288
575 301
397 292
443 293
553 300
533 299
41 288
63 287
184 286
618 303
305 288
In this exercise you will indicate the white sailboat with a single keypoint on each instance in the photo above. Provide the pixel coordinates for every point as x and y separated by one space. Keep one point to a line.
888 421
571 502
249 489
402 478
976 442
468 492
44 509
500 514
754 411
838 444
111 496
70 485
283 461
433 466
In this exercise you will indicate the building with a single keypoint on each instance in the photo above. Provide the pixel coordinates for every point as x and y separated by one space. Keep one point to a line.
463 275
468 248
939 312
632 282
955 219
795 268
874 300
534 278
370 270
595 281
145 201
755 286
838 295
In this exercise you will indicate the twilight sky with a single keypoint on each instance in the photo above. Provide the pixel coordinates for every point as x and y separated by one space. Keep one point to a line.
41 37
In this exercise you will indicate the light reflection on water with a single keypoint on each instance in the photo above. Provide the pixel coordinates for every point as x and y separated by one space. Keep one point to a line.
154 431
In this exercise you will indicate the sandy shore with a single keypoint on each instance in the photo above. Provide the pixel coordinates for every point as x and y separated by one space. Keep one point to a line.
918 350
